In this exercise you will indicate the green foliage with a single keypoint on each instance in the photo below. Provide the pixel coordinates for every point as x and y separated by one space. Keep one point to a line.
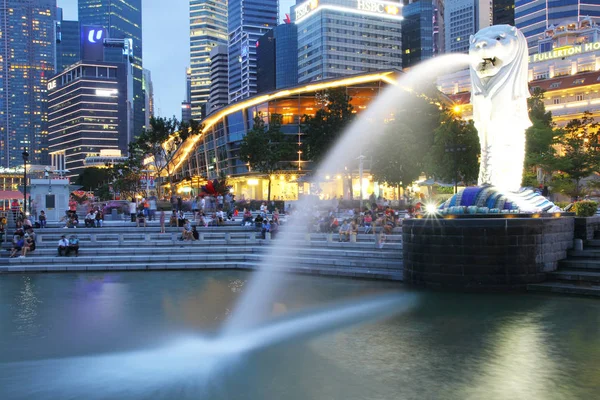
93 178
562 204
585 208
266 149
540 136
529 179
323 129
579 155
455 151
399 154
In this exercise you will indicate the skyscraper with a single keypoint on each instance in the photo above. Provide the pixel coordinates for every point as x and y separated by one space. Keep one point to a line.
533 17
68 42
219 95
347 37
27 61
247 21
186 104
208 28
122 19
417 32
503 12
149 98
464 18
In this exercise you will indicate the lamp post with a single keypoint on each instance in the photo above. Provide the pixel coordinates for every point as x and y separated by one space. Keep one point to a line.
361 159
25 155
455 149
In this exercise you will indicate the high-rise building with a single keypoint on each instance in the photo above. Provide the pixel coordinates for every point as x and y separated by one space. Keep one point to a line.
347 37
88 112
68 42
123 20
247 21
208 28
533 17
464 18
219 80
277 58
186 104
439 27
417 32
27 61
148 98
503 12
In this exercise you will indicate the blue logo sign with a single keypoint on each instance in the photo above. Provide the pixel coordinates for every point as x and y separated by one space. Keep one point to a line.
95 35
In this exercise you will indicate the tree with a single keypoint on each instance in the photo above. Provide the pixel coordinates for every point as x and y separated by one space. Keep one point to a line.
266 148
162 141
539 152
323 129
93 178
455 151
578 154
399 155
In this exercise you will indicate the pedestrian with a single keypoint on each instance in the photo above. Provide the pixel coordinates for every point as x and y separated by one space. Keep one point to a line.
132 209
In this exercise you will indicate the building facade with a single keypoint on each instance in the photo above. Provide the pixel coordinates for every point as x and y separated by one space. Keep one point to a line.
208 28
417 32
265 62
503 12
247 21
219 83
286 51
68 43
464 18
148 98
338 38
186 104
569 74
533 17
123 20
87 113
215 152
27 61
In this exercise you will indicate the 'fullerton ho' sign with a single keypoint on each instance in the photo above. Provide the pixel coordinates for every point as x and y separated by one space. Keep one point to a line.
565 52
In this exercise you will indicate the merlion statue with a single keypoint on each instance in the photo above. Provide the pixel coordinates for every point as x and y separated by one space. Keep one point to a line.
499 97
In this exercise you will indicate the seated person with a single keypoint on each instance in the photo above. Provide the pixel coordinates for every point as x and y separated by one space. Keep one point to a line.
74 221
18 243
247 217
345 232
89 219
274 228
141 218
354 227
74 245
42 219
99 220
220 217
63 246
180 218
195 233
173 219
333 224
186 233
258 221
29 244
266 227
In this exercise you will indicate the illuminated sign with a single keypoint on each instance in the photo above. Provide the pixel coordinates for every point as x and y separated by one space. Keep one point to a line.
106 92
565 52
95 35
305 8
52 85
384 8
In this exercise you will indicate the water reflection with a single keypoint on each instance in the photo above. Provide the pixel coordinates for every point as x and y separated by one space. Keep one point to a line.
25 319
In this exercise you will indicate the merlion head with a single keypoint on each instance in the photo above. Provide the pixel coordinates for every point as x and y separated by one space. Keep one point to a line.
499 57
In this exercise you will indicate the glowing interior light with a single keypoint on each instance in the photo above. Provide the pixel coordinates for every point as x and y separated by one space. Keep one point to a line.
106 92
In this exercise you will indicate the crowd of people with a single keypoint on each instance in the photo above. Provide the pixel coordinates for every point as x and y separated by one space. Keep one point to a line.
23 240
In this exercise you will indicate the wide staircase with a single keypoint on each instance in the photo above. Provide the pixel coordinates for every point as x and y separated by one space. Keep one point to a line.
127 248
579 274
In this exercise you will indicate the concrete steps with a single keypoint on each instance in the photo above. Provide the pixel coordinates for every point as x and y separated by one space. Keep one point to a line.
566 288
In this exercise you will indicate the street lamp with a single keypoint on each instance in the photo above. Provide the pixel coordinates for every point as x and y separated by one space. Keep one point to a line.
25 155
455 149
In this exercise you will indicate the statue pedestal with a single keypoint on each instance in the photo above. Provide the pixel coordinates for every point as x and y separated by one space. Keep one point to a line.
484 253
51 196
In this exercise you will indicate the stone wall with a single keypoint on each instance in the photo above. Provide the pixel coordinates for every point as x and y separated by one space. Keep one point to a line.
585 228
473 253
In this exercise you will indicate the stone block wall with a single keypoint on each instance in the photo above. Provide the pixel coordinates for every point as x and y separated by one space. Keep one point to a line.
586 228
480 253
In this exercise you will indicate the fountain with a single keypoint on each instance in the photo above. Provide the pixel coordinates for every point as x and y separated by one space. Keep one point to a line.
503 252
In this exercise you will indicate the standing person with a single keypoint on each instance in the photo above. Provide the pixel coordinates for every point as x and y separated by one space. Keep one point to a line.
220 201
162 221
194 208
174 202
132 209
153 207
179 204
203 205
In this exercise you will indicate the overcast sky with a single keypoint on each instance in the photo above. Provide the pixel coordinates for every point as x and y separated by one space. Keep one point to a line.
166 47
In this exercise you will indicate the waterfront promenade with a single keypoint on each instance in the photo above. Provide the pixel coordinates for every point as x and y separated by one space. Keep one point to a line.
121 246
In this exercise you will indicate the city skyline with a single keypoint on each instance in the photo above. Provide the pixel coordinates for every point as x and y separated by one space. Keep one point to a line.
169 77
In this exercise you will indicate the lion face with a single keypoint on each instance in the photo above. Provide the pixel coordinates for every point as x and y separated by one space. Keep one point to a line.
493 48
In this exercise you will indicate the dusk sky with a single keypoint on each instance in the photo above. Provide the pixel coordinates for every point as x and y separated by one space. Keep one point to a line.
166 47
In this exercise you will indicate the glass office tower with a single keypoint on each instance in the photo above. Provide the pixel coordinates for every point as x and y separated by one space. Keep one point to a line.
247 21
122 19
27 61
208 29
